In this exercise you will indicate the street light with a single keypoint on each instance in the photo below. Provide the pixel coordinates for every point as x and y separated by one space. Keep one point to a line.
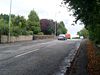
55 28
9 20
58 12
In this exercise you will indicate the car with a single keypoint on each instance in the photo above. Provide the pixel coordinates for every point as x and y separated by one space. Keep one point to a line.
68 36
81 37
62 37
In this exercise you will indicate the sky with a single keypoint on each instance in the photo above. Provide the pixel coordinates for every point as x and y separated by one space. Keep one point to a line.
46 9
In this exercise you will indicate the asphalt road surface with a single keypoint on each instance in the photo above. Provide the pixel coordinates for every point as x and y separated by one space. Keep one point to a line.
43 57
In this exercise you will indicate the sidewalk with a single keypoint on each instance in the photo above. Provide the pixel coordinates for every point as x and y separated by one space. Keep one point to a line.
87 60
79 66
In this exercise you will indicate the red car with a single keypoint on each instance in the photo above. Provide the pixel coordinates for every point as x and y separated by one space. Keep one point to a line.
68 36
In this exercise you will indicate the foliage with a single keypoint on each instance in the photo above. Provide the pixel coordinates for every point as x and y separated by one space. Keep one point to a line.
1 26
15 28
88 11
61 28
33 23
83 33
40 33
29 32
16 31
5 17
19 21
19 25
47 26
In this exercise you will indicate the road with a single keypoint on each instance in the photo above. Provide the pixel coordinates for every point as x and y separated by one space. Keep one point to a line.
43 57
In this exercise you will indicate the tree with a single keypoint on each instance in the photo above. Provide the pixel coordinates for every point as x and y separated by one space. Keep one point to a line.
19 22
33 23
87 11
47 26
83 33
5 17
18 25
3 27
61 28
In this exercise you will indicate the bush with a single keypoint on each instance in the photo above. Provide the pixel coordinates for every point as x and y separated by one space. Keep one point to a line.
40 33
15 31
29 32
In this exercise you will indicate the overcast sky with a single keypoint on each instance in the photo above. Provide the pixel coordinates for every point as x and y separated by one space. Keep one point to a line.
46 9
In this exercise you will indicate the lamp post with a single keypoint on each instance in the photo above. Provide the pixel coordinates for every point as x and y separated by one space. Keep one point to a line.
9 20
55 28
57 13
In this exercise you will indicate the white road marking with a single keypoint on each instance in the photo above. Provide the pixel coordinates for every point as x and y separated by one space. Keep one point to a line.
26 53
50 45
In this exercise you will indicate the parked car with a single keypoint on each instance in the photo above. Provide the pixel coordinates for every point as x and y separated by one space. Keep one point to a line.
62 37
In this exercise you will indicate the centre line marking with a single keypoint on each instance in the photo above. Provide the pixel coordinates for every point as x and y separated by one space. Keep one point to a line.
26 53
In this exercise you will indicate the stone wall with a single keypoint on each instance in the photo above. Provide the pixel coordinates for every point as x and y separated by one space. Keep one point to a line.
36 37
5 39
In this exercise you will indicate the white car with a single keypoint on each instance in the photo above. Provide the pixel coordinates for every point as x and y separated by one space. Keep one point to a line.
62 37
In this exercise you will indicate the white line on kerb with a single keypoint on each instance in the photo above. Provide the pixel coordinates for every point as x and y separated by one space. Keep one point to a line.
26 53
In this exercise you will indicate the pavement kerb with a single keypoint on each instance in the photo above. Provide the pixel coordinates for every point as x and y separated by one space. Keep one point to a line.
69 69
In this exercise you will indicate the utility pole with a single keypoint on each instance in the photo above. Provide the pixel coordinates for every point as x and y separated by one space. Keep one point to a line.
55 28
9 21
